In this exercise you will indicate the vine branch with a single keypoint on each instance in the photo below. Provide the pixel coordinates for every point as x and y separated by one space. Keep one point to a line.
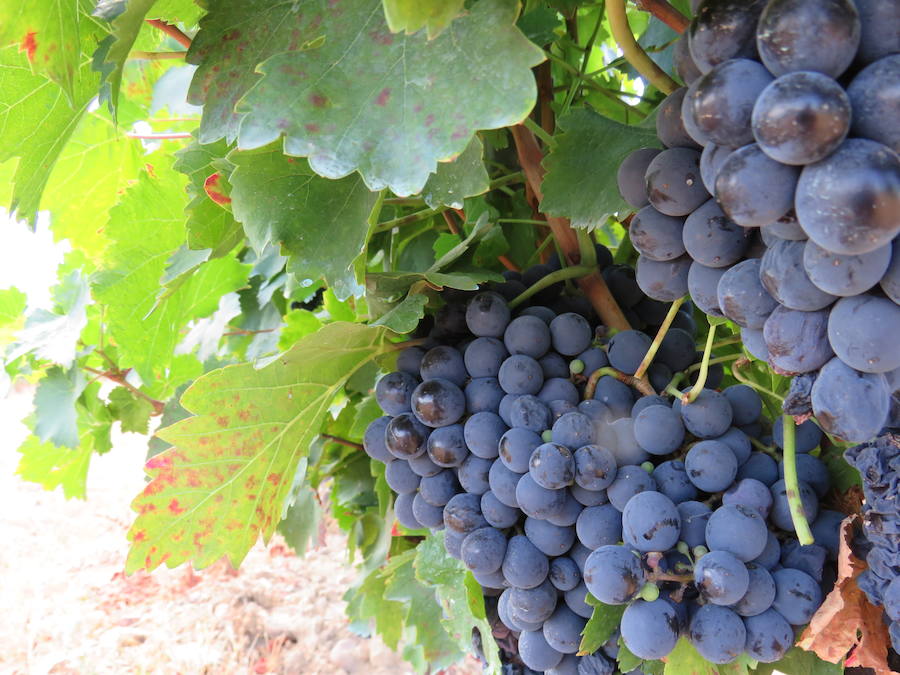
592 285
636 56
666 13
641 385
342 441
118 376
172 31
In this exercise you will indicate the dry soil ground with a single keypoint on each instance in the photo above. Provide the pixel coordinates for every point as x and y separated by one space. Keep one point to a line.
66 607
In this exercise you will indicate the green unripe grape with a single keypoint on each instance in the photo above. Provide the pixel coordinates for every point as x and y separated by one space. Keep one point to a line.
547 436
648 467
649 592
576 366
700 551
683 548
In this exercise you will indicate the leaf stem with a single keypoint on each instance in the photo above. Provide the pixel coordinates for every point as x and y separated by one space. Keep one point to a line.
660 334
666 13
736 369
155 56
522 221
549 280
538 131
172 31
618 23
342 441
118 376
591 386
719 359
692 395
791 484
416 217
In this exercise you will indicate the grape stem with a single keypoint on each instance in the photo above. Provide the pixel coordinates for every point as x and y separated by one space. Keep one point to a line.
665 576
641 385
342 441
660 335
663 11
634 54
592 285
791 484
762 447
692 395
719 359
549 280
736 369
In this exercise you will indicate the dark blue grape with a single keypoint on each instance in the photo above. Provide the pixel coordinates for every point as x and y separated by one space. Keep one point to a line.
724 30
711 160
559 389
483 432
487 315
438 403
563 630
655 235
537 501
771 555
659 430
703 284
599 526
863 332
532 606
817 35
684 63
529 412
760 467
797 595
753 189
393 392
426 514
650 522
553 365
622 284
630 480
595 467
484 356
551 540
659 375
849 202
445 363
400 477
567 514
473 475
496 513
826 531
552 466
547 295
781 513
694 516
521 374
708 416
721 102
746 405
797 341
527 335
676 349
524 565
373 440
573 430
483 394
619 438
751 493
807 436
650 629
844 275
674 185
596 410
588 497
403 509
630 176
483 550
564 573
423 466
506 406
769 636
850 404
737 530
613 574
717 633
669 127
405 436
410 360
760 593
711 238
627 349
447 446
874 98
755 343
536 653
575 600
462 514
615 395
440 488
809 559
570 333
672 481
663 281
516 446
721 578
687 117
453 543
545 314
503 483
559 408
801 118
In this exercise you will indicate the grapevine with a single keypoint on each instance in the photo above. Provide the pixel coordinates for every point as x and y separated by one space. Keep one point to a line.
580 319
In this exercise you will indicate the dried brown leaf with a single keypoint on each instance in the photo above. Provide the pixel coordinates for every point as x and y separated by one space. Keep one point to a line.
847 623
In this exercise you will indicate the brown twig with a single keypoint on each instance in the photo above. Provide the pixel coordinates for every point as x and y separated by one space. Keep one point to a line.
663 11
342 441
508 264
450 223
172 31
593 285
118 376
641 385
545 96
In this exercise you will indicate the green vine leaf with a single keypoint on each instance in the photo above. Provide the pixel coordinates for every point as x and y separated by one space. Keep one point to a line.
453 181
404 317
414 15
686 660
54 466
320 224
132 411
581 179
224 482
604 620
801 662
369 101
176 11
56 419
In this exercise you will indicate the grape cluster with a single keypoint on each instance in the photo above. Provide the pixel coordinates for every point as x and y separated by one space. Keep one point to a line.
776 201
551 480
878 463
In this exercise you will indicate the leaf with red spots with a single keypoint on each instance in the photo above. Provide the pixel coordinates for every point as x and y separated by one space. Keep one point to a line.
392 106
234 38
49 34
320 224
224 482
217 188
414 15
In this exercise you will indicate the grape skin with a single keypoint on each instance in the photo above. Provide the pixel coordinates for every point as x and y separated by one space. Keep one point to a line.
708 416
487 315
564 574
496 513
674 185
483 550
746 404
551 540
817 35
672 481
797 595
613 574
863 331
753 189
447 446
807 436
669 127
650 629
474 475
781 513
444 363
875 99
711 466
694 516
552 466
717 633
373 440
483 394
527 335
462 514
630 480
703 283
797 342
711 238
850 201
438 489
405 436
521 374
750 493
676 349
663 281
503 484
659 430
769 636
879 30
759 466
655 235
630 176
721 578
403 509
536 653
760 592
595 467
599 526
844 275
724 30
393 392
742 297
524 566
850 404
573 430
737 530
482 433
711 160
684 64
537 501
650 522
563 630
484 356
438 403
426 514
516 446
570 333
782 275
801 117
626 350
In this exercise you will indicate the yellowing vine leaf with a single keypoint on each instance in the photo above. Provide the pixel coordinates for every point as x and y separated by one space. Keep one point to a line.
414 15
391 106
224 482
